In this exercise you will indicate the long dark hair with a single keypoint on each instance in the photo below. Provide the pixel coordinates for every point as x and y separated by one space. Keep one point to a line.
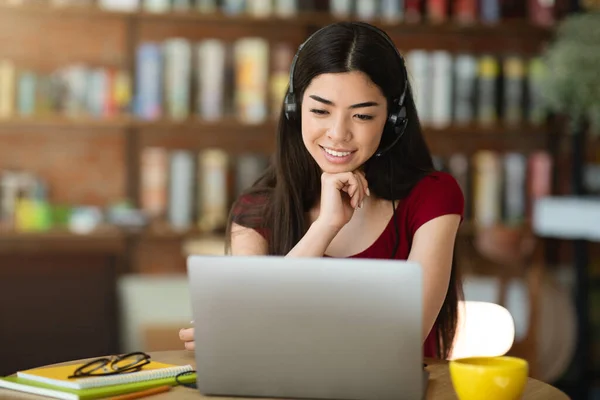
290 187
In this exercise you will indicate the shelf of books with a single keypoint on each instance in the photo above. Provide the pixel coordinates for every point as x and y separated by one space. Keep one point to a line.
194 89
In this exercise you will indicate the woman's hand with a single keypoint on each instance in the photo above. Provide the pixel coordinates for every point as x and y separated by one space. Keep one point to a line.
187 337
341 194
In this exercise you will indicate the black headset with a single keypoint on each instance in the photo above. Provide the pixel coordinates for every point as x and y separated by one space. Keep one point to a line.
397 119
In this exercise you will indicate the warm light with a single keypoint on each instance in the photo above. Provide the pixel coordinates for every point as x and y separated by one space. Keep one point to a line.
484 330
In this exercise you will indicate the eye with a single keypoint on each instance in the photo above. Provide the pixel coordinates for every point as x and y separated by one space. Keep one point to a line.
318 111
364 117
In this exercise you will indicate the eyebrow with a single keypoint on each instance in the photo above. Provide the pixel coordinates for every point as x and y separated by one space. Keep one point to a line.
330 103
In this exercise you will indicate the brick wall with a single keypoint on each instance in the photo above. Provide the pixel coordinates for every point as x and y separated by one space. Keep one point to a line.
81 166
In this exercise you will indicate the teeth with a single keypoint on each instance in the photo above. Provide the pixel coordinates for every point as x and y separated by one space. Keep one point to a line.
337 153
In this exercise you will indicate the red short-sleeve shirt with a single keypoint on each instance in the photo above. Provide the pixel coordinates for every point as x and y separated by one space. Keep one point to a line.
435 195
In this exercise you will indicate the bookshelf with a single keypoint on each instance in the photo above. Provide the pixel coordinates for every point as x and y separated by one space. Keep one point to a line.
88 34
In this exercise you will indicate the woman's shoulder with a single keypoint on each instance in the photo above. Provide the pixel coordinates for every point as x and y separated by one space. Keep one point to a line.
249 211
437 182
252 199
436 194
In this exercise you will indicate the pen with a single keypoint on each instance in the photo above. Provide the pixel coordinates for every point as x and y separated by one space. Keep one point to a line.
142 393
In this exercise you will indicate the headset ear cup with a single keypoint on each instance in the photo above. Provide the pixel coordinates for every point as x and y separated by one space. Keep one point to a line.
402 112
401 121
400 127
290 105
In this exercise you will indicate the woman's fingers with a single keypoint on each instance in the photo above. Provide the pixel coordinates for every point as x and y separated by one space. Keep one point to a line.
186 334
190 345
365 184
354 184
356 190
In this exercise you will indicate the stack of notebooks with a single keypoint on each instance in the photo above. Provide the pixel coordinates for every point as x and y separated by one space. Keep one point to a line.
53 381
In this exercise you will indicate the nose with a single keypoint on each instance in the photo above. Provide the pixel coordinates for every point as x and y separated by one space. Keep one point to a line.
340 130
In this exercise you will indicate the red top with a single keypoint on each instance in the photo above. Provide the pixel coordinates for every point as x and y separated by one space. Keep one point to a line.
435 195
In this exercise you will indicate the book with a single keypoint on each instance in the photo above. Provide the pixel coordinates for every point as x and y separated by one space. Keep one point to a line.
366 10
259 8
119 5
149 76
210 66
154 180
8 77
286 8
541 12
465 11
514 90
465 88
340 8
251 60
213 170
413 11
59 392
487 187
441 89
206 6
26 93
459 167
392 11
419 71
515 174
181 189
156 6
58 375
283 53
490 11
536 112
177 78
437 10
487 113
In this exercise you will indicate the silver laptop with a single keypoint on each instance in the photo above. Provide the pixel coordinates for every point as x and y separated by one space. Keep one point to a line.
318 328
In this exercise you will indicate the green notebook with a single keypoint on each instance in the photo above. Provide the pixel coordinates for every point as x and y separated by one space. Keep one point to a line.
58 392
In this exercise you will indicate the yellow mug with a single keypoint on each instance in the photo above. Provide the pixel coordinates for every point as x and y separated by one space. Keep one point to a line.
489 378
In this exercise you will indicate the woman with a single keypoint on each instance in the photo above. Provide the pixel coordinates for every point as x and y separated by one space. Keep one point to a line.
352 175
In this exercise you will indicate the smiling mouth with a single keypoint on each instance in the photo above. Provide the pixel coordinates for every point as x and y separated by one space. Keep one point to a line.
337 153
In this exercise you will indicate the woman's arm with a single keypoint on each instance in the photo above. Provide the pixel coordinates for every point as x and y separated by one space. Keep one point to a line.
247 241
433 247
341 194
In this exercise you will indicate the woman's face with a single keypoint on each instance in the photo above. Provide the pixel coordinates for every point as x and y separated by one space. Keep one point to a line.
343 116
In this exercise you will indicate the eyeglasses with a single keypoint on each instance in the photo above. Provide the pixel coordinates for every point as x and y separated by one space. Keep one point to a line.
113 365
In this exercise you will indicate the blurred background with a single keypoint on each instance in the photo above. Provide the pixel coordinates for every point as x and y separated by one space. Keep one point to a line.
128 127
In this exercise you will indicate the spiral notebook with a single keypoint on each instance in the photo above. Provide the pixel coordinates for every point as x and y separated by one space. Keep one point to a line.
14 383
58 376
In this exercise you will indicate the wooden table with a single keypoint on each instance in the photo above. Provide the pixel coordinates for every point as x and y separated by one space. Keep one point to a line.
61 286
439 387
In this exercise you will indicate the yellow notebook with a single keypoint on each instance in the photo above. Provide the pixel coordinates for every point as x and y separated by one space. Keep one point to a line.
58 375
